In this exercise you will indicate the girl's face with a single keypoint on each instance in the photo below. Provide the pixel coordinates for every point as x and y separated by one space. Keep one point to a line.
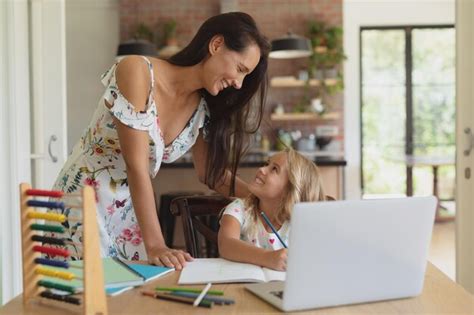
271 180
225 67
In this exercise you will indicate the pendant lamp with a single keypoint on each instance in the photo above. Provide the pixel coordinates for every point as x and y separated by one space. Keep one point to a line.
290 46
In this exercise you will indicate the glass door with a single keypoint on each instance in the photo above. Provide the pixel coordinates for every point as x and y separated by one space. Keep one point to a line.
408 108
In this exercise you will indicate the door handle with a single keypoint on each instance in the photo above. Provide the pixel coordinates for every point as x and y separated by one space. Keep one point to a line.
51 140
470 141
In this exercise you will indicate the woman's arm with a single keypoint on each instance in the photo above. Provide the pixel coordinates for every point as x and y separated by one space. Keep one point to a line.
232 248
133 80
222 186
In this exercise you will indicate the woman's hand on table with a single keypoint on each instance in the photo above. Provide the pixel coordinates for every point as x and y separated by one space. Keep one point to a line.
168 257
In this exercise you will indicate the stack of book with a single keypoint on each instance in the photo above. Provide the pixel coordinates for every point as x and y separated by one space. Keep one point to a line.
118 275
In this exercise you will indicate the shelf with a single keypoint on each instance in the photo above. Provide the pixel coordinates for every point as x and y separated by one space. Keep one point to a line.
304 116
320 49
294 82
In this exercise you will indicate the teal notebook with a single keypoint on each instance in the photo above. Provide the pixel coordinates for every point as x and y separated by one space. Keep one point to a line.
150 272
146 271
116 274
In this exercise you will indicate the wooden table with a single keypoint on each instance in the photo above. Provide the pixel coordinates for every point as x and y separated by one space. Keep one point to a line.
440 296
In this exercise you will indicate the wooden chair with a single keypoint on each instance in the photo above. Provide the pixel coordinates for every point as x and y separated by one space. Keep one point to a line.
167 220
200 216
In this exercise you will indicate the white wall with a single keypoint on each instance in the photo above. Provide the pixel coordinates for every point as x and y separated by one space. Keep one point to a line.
92 37
14 136
3 164
359 13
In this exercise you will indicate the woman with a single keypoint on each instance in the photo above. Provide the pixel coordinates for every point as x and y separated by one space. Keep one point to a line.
153 111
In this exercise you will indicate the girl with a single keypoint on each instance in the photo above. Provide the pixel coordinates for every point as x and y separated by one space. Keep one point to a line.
154 111
244 236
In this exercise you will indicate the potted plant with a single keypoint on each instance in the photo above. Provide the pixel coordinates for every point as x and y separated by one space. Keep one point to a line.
143 32
169 40
318 43
335 53
140 44
317 35
169 33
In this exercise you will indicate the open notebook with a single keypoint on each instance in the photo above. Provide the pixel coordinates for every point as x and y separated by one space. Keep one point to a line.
218 270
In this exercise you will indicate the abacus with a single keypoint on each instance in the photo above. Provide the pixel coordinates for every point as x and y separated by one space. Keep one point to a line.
33 245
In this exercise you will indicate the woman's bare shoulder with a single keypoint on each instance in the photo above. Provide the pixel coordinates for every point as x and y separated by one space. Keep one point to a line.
134 80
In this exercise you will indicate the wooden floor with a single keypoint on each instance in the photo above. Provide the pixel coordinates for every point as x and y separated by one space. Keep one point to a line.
442 249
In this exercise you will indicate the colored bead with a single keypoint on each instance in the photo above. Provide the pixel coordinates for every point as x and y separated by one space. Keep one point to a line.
57 297
47 228
54 273
57 286
47 216
45 193
51 250
46 204
50 262
48 240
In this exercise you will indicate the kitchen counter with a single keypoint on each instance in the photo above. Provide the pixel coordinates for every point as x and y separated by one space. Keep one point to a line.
181 176
257 161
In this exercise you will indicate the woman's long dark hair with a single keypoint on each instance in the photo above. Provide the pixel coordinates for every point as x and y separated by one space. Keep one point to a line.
234 113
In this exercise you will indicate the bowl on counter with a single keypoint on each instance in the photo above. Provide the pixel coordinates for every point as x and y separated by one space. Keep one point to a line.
323 141
306 144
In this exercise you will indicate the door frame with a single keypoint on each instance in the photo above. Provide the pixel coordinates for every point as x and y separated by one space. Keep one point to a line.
464 119
48 90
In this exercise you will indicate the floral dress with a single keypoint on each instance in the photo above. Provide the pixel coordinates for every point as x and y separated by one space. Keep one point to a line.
97 160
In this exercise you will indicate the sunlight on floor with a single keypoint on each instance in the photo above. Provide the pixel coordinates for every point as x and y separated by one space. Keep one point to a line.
442 249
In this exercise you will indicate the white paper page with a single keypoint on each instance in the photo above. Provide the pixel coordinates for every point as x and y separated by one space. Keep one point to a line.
218 270
273 275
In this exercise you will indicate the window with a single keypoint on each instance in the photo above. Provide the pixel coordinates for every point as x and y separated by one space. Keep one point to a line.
408 109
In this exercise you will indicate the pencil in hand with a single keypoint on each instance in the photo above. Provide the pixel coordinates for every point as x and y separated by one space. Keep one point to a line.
267 220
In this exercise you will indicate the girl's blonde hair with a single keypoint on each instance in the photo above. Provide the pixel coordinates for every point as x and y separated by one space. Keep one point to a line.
304 185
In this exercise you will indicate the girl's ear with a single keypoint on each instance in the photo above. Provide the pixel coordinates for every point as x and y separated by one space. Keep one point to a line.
216 43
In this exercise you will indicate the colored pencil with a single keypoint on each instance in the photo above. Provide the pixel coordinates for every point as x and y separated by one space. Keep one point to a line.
264 216
202 294
179 299
192 290
216 300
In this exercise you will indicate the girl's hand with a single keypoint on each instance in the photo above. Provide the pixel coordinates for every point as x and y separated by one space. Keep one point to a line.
276 259
168 257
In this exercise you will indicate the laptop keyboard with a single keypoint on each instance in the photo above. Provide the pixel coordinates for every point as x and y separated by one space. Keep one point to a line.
278 294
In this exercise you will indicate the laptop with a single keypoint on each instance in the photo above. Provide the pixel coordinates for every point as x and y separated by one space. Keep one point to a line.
347 252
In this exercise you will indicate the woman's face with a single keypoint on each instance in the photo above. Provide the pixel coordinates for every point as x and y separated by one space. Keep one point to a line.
271 180
225 68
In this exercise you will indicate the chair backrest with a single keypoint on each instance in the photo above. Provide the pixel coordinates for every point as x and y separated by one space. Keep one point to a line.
200 216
